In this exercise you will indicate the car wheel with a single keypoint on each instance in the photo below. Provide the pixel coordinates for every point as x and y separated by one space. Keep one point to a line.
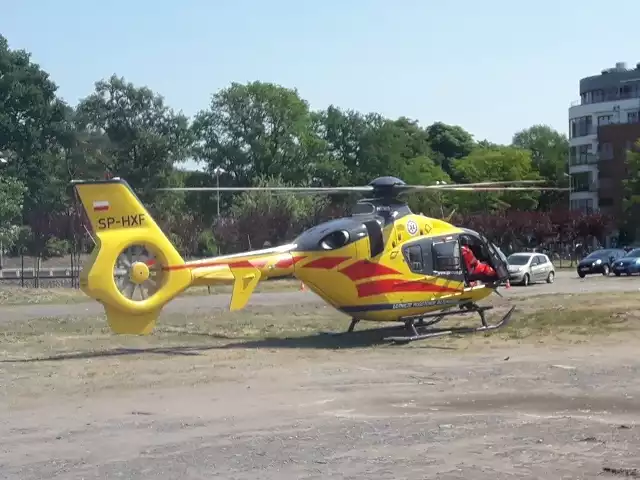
605 270
581 274
525 279
551 277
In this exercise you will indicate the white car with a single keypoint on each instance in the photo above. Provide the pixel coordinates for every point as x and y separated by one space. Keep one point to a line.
530 267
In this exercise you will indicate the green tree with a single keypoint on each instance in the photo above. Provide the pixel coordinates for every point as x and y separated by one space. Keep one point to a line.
33 123
363 147
496 164
258 129
139 138
12 193
449 142
260 218
424 171
631 194
549 152
487 144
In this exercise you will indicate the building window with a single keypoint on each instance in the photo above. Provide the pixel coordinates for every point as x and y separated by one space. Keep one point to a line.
581 126
580 155
597 96
581 182
606 202
632 117
611 94
605 151
605 120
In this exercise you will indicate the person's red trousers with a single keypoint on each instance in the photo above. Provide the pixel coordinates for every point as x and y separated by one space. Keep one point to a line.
484 269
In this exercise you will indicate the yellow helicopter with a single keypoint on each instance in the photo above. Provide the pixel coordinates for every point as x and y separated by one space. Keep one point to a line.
382 263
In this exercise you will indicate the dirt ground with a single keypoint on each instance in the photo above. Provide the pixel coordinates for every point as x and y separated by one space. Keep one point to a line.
260 394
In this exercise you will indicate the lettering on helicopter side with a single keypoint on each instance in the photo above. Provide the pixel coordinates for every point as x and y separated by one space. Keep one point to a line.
412 227
124 221
424 303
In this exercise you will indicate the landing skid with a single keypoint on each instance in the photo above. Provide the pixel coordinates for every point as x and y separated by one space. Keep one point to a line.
415 326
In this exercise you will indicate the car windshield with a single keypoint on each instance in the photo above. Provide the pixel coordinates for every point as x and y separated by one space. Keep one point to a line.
601 254
635 253
518 259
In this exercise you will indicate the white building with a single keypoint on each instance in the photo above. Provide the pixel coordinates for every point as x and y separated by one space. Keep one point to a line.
613 97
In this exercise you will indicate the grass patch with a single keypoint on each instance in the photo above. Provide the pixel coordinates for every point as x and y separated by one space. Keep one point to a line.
79 354
35 296
571 315
44 336
301 326
66 296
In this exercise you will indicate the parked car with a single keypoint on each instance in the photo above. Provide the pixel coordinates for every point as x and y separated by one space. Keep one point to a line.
629 264
599 261
530 267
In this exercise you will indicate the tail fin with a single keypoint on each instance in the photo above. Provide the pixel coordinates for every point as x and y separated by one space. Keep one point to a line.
132 270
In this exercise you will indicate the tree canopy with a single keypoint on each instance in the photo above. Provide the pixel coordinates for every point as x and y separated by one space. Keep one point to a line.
257 132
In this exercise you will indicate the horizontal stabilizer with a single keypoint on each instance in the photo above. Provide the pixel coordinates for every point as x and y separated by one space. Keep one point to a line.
246 280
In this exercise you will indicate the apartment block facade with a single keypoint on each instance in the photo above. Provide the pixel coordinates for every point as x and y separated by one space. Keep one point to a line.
603 125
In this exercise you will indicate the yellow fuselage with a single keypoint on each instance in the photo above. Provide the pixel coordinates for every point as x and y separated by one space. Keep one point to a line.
383 288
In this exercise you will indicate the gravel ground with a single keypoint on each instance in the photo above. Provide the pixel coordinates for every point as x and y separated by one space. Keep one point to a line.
526 412
488 410
565 283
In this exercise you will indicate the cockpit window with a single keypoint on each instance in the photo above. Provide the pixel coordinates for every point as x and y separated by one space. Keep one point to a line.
335 240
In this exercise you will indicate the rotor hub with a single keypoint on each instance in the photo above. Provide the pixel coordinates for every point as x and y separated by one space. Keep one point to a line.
139 273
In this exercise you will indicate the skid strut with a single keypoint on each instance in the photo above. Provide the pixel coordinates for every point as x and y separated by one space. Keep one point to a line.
415 326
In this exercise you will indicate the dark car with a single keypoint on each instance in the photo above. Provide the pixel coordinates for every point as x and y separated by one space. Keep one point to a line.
629 264
599 261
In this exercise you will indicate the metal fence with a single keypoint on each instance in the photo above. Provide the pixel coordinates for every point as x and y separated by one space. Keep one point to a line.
33 277
64 273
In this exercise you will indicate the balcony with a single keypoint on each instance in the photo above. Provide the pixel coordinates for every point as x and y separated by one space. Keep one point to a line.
583 132
619 96
585 187
584 159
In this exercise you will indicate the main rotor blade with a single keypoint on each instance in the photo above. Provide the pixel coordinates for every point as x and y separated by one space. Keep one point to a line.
474 184
502 189
398 189
269 189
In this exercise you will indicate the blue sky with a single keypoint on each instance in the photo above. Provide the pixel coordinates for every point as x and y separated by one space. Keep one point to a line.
493 67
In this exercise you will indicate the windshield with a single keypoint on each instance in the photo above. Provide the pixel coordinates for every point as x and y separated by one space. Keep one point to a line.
633 253
601 254
518 259
501 254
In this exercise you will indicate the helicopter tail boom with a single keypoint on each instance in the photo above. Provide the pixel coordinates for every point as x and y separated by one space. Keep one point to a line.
134 269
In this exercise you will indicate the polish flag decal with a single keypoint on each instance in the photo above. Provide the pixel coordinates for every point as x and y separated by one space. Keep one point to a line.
100 206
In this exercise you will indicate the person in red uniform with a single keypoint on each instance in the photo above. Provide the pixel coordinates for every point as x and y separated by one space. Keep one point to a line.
474 266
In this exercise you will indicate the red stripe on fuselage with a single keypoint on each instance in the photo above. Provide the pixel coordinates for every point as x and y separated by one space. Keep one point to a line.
255 263
326 263
288 262
379 287
365 269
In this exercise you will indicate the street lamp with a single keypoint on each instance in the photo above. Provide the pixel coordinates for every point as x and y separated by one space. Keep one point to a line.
441 182
569 177
217 172
3 160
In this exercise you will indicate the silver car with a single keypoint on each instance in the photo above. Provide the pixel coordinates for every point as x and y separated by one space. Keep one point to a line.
530 267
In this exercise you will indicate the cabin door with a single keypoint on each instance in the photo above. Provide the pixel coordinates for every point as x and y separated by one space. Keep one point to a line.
447 261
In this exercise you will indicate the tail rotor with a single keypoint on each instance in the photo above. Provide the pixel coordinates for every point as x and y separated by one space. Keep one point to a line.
138 272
